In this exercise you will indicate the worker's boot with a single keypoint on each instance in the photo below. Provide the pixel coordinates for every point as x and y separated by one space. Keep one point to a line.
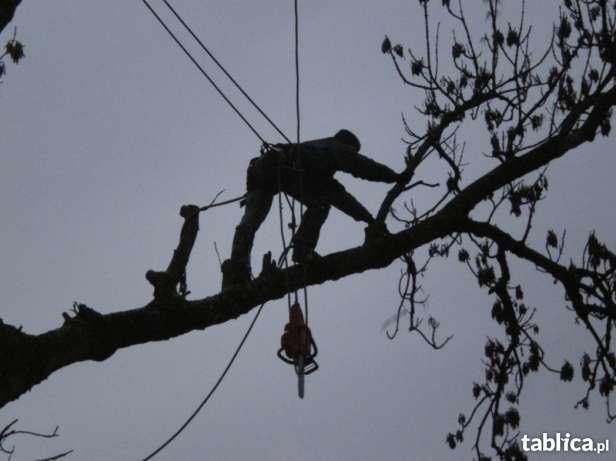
234 273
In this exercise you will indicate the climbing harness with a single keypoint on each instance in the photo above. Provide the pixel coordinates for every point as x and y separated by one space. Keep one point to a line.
297 347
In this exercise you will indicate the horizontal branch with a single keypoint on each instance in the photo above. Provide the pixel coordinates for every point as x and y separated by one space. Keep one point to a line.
26 360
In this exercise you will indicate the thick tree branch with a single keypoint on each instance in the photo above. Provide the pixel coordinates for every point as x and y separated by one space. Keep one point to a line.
557 146
26 360
7 11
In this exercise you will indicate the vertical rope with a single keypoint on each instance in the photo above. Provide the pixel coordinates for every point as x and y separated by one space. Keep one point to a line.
283 258
297 105
298 138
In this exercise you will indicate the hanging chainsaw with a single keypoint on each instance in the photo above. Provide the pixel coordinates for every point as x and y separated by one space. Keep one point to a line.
297 347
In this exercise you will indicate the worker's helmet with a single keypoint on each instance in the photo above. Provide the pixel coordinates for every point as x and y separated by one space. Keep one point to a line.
348 138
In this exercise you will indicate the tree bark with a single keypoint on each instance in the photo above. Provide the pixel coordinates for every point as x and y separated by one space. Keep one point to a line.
26 360
7 11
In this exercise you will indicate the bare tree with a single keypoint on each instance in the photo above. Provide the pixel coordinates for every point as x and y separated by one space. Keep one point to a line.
535 108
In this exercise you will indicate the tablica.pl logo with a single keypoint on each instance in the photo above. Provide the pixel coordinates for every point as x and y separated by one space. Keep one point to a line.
564 443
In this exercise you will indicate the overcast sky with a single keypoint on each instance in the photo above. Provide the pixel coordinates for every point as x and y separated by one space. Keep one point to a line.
106 130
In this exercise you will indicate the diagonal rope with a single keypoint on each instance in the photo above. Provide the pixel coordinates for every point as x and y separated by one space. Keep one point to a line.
224 70
212 390
203 72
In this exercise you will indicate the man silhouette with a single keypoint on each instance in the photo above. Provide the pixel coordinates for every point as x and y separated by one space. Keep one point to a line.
305 172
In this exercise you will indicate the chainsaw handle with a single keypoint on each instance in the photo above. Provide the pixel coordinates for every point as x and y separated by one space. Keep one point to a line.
281 356
313 345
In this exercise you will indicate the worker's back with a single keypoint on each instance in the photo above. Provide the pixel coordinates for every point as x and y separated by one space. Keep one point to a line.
317 158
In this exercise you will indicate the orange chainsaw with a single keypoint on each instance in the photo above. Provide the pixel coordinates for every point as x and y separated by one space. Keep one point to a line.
297 347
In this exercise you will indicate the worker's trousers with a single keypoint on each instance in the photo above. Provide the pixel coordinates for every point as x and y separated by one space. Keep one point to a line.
268 175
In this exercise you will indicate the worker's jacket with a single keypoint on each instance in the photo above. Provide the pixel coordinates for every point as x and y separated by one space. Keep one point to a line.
306 170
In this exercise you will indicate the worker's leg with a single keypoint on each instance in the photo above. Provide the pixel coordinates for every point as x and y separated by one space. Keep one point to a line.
258 203
345 202
307 234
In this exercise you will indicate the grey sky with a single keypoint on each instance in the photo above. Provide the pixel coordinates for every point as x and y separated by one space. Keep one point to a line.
107 130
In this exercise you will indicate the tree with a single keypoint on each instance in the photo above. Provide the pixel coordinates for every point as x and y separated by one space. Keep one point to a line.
535 110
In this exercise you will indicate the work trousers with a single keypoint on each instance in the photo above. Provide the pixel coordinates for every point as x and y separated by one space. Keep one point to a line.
268 175
257 206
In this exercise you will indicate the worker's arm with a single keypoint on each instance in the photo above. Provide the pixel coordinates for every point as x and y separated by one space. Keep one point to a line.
363 167
345 202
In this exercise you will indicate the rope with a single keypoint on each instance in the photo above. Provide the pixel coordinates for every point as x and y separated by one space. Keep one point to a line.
203 72
297 106
215 204
222 68
298 136
283 257
209 394
214 387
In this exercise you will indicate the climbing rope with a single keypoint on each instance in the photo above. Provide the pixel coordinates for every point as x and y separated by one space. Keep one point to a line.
212 390
298 132
298 347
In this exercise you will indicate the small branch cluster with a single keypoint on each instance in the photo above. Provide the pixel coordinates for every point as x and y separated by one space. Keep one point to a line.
592 293
9 432
409 290
14 50
507 363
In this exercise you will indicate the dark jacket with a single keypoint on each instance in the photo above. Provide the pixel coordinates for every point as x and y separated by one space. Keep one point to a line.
306 172
322 158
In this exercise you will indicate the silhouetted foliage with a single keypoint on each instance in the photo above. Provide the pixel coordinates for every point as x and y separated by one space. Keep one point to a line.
530 103
13 48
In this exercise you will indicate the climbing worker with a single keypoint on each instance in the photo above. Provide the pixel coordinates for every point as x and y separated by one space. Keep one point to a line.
305 172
